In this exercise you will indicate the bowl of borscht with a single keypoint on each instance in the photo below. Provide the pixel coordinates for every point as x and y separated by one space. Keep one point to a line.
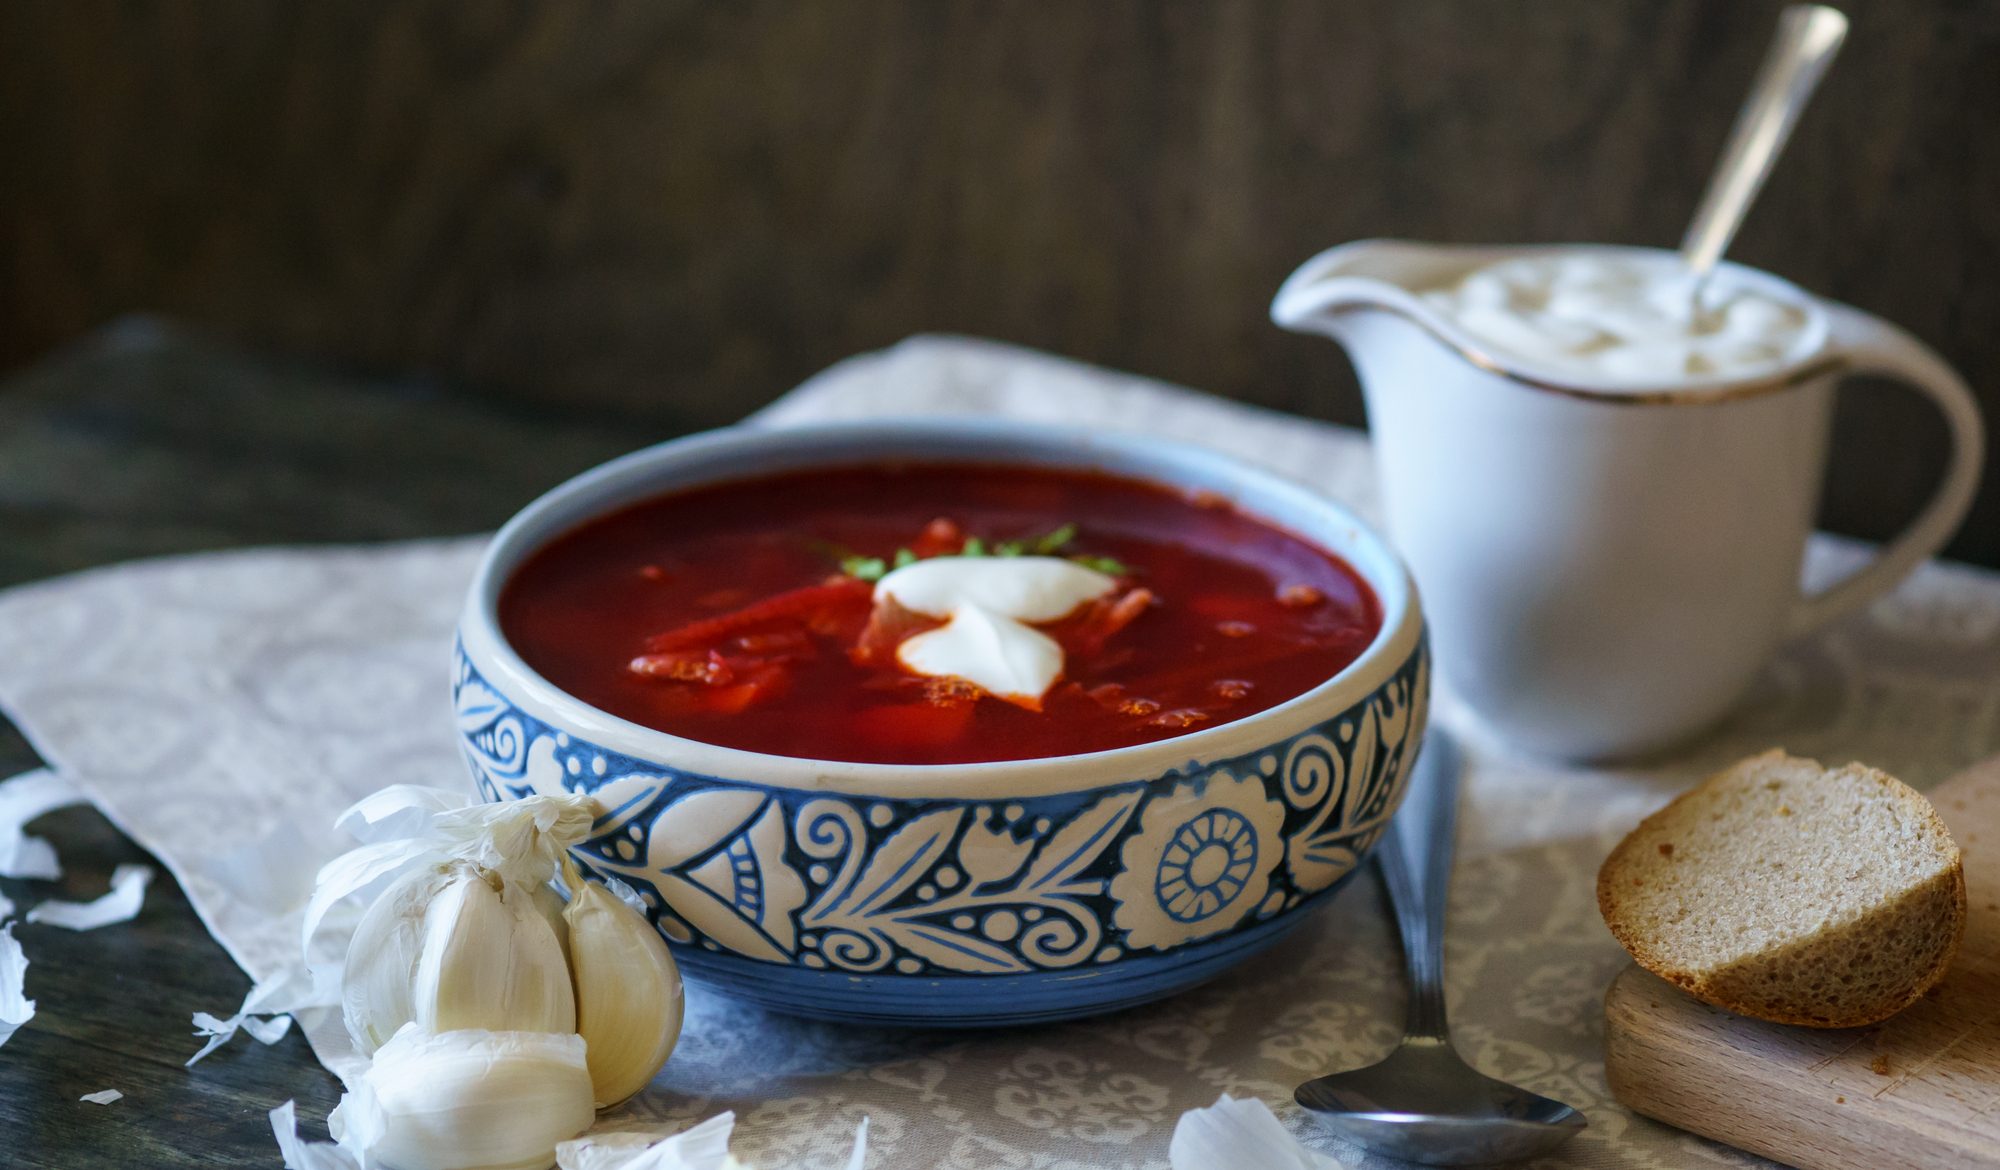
949 722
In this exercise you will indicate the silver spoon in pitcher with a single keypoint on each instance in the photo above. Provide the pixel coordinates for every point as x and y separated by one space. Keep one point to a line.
1808 36
1423 1103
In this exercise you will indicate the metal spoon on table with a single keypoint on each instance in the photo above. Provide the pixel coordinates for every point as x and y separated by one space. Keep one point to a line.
1808 36
1423 1103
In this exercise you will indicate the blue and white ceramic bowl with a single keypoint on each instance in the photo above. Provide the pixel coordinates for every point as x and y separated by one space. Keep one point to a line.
975 894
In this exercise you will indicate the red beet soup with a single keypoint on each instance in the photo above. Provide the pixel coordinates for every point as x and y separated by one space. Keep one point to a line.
746 613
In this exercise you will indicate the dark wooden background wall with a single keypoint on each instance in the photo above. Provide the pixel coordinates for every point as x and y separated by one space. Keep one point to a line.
673 211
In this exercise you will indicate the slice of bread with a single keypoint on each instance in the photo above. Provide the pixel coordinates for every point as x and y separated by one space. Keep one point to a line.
1791 892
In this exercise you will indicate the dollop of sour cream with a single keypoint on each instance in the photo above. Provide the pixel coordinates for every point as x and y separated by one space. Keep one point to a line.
1622 318
987 603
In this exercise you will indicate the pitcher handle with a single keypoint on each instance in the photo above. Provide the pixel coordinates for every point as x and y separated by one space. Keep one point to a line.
1874 346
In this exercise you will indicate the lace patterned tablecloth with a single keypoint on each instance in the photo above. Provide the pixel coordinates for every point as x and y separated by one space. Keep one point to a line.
222 708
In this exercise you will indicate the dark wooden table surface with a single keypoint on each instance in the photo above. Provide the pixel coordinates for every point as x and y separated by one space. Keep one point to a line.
146 440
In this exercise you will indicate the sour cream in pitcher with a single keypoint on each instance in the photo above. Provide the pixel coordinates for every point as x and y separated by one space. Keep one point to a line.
1622 318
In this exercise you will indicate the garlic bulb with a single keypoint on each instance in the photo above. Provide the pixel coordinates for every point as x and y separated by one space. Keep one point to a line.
497 1016
455 946
466 1100
628 991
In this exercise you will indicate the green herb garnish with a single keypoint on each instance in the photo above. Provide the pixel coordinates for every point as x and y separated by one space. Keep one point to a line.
864 568
1052 543
1046 545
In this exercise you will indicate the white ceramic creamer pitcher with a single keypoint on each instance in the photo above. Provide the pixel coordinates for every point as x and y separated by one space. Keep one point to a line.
1606 569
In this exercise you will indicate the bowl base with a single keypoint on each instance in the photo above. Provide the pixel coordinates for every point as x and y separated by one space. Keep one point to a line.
987 1001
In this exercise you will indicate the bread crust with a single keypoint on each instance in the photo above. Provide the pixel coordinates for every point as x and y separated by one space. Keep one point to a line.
1615 875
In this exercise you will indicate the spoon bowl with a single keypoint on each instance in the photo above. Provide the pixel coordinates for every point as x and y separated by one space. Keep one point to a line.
1423 1103
1467 1118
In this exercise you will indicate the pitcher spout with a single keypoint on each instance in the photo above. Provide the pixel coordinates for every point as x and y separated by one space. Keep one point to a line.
1367 274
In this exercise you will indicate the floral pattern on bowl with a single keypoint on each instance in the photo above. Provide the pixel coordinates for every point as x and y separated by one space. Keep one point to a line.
935 888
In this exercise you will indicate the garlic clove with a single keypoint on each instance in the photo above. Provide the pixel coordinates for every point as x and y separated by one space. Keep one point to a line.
467 1100
381 966
490 961
550 905
628 992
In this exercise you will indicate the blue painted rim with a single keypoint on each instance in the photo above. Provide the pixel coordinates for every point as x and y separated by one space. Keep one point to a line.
736 453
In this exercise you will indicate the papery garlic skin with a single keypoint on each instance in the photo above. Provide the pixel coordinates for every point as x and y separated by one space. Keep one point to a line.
1239 1133
704 1147
490 961
467 1100
526 840
15 1007
628 992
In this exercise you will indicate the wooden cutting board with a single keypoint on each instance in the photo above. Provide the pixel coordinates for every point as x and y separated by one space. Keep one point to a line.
1919 1090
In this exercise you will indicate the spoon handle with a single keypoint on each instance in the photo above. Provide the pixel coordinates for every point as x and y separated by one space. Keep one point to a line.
1415 856
1808 36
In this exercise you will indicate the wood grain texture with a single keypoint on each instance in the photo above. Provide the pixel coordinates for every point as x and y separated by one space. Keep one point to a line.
1921 1089
109 452
681 209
